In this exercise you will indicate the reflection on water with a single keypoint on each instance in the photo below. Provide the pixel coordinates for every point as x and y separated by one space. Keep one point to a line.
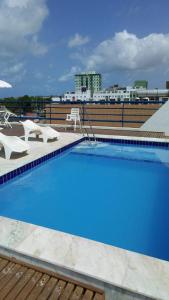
144 153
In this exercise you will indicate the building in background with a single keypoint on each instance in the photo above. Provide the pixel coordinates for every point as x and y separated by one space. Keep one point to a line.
75 96
141 84
125 94
152 94
88 81
88 87
117 94
115 87
167 85
56 98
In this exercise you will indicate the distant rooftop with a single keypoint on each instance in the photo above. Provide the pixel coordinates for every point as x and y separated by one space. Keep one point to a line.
88 73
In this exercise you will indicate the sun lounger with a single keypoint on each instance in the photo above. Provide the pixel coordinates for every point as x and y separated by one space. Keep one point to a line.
12 144
45 131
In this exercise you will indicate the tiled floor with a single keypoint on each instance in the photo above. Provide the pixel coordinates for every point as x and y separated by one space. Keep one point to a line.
37 150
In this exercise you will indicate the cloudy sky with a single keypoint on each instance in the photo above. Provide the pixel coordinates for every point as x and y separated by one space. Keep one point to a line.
43 43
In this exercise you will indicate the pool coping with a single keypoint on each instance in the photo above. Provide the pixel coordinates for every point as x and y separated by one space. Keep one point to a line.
128 270
131 140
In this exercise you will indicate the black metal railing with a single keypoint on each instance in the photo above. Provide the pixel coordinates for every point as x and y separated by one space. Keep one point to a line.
105 113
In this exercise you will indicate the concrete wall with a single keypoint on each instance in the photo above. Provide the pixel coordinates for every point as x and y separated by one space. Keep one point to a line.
159 120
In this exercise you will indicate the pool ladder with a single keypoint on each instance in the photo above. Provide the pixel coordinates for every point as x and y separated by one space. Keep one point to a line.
84 130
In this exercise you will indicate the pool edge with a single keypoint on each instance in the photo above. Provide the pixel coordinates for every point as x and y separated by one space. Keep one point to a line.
127 270
151 266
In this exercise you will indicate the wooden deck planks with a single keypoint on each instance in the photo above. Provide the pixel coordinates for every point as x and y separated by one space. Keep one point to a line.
58 290
67 291
16 275
29 286
48 289
77 294
20 285
88 295
97 297
8 273
3 263
22 281
38 287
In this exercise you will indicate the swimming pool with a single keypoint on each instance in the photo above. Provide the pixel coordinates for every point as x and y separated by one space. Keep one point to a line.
113 193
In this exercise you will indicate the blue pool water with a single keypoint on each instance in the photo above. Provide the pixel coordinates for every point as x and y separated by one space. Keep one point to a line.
115 194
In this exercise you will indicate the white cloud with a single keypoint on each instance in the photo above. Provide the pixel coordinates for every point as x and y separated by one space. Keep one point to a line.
126 51
78 40
70 74
38 75
20 22
13 69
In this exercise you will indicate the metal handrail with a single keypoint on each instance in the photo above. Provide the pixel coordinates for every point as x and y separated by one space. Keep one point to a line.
45 110
91 128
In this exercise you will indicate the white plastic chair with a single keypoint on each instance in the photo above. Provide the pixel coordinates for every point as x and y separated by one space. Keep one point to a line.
74 116
46 131
5 114
12 144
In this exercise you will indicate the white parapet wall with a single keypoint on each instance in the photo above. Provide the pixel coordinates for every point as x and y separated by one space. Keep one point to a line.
159 120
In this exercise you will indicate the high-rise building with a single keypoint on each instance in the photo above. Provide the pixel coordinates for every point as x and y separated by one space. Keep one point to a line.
141 84
91 81
167 85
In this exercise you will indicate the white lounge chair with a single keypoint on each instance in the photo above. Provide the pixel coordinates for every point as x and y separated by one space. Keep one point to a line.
74 116
45 131
12 144
5 114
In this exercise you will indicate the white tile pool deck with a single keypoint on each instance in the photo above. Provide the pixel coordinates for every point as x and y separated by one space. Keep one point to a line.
131 271
37 150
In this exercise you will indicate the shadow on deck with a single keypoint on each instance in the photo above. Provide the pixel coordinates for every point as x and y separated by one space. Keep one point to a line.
17 130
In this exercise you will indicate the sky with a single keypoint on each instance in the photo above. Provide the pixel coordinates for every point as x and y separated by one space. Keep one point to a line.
43 43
